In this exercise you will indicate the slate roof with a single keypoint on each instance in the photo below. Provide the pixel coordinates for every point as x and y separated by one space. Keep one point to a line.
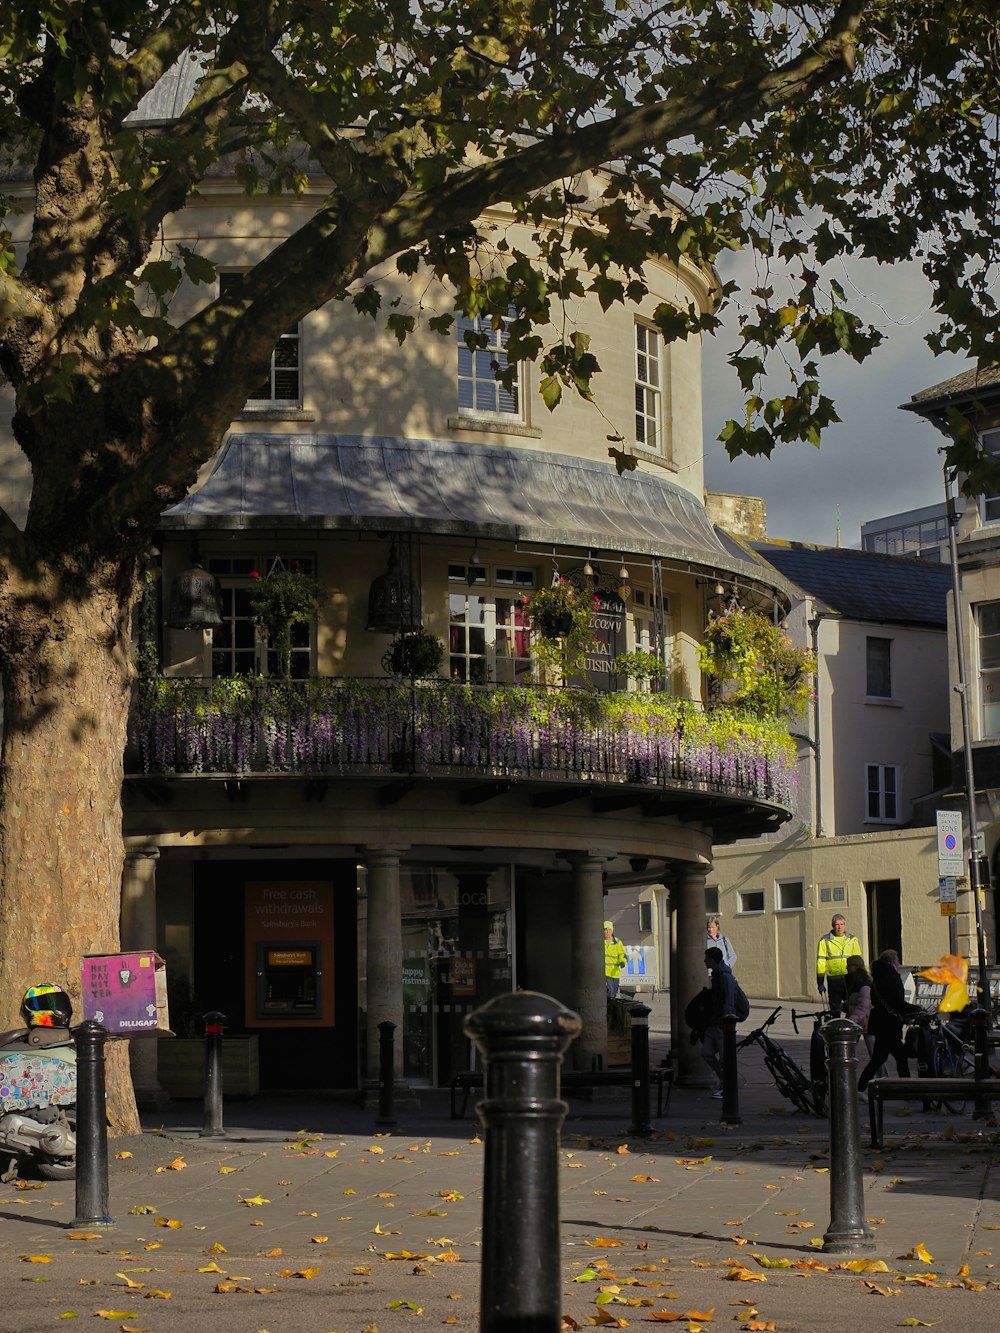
969 384
865 585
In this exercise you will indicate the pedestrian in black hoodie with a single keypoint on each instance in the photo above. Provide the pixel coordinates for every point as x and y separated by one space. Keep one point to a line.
890 1011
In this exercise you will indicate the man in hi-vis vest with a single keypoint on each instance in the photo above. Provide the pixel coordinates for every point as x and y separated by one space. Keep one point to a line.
835 947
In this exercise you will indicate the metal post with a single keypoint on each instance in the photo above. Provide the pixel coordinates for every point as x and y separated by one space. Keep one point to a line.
730 1074
639 1014
92 1192
981 1039
212 1117
386 1088
848 1233
522 1038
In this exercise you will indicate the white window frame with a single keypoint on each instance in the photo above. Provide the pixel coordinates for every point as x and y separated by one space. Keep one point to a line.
287 349
780 885
742 895
643 632
649 364
989 670
880 789
303 634
490 583
871 639
475 373
989 441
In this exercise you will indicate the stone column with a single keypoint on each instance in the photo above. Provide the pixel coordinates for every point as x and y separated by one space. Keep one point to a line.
687 970
384 1000
138 932
587 942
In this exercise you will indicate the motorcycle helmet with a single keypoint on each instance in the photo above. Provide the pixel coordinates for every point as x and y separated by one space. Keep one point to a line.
46 1006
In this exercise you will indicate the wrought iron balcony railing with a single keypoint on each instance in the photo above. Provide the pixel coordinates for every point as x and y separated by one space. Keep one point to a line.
238 726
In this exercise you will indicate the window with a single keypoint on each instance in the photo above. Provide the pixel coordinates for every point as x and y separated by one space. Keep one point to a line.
833 893
877 668
239 647
652 629
988 643
479 390
645 917
648 387
751 900
280 379
883 793
990 440
711 900
488 635
790 895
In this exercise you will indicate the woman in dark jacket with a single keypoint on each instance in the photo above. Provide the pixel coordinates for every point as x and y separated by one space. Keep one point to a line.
890 1011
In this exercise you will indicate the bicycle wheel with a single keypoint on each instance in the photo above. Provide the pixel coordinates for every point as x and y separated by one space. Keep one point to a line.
790 1081
818 1076
949 1063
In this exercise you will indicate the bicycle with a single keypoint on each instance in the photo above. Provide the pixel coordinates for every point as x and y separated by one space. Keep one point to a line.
789 1079
818 1075
943 1050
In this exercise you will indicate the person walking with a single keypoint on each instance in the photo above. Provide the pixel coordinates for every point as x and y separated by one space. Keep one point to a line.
614 959
714 938
859 999
890 1011
722 991
835 947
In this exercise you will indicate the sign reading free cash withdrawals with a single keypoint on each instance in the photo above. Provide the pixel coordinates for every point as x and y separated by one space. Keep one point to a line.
950 843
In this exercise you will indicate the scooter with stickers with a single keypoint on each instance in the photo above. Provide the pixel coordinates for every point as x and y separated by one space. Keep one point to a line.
38 1089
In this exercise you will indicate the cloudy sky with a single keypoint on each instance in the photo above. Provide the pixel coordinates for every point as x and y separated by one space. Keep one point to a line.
880 460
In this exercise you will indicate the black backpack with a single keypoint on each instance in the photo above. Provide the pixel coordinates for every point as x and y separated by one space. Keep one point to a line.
741 1005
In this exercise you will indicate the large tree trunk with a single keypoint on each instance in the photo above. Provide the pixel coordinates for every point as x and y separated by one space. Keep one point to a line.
61 848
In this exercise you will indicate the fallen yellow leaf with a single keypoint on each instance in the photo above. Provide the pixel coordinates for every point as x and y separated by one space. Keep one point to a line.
122 1156
255 1201
171 1222
602 1242
35 1258
299 1272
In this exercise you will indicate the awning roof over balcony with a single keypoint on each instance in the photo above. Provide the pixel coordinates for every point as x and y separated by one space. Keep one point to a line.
525 495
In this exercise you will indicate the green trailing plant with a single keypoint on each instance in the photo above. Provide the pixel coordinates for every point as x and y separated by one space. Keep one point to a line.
561 621
284 597
415 653
640 665
755 664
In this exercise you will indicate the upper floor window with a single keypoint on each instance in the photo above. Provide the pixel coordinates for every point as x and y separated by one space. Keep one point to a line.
648 387
878 673
240 647
652 629
988 644
990 440
882 786
488 635
479 390
280 381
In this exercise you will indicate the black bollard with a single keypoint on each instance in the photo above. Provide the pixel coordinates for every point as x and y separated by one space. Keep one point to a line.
848 1233
92 1191
981 1044
212 1118
730 1074
639 1014
522 1038
386 1077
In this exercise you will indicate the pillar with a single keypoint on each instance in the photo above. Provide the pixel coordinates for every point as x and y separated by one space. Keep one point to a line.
138 931
384 1001
587 942
687 970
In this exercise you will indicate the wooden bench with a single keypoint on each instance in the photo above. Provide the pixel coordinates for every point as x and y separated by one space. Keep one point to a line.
881 1090
570 1080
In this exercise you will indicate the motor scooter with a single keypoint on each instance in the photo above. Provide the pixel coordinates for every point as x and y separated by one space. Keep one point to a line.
38 1102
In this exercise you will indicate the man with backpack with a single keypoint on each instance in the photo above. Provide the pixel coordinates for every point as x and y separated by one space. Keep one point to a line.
723 996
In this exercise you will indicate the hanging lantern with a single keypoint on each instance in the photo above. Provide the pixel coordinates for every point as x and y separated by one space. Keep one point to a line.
195 598
393 600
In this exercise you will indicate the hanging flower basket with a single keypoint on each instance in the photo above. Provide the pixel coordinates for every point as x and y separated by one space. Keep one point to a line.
415 653
285 596
557 611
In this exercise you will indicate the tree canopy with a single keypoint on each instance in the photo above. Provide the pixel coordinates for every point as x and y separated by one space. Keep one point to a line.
801 131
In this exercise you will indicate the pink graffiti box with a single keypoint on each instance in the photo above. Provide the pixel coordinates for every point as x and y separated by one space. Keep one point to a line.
126 992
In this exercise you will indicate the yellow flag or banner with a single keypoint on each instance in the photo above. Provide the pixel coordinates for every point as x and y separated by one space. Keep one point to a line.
953 973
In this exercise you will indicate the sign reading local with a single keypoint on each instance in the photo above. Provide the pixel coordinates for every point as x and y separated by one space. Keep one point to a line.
950 843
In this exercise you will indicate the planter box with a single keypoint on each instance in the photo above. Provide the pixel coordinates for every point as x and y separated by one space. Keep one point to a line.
181 1066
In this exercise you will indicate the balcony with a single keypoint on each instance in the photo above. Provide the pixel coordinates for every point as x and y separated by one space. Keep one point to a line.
238 727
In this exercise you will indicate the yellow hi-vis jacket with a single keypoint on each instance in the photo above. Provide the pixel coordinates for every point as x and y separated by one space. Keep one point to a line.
833 953
614 956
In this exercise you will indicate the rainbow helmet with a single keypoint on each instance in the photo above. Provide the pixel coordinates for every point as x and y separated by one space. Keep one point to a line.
46 1006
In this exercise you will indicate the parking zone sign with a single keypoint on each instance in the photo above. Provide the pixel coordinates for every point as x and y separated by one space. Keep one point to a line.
950 845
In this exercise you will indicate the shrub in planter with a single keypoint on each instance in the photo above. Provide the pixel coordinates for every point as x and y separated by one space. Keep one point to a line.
414 653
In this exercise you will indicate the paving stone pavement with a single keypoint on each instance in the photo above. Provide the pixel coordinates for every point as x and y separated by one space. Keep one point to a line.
303 1219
